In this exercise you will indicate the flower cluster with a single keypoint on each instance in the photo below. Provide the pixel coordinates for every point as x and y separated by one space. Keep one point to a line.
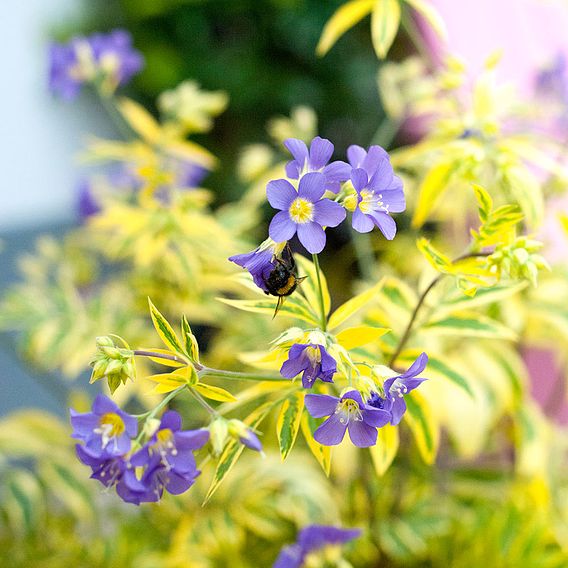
350 413
164 462
318 194
107 60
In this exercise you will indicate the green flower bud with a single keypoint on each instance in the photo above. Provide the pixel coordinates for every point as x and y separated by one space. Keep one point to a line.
218 432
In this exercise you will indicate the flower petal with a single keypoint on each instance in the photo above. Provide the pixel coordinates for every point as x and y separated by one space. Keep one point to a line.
293 366
312 186
312 236
356 155
385 223
83 424
328 213
359 179
292 170
281 228
191 439
362 223
178 484
280 193
374 162
376 416
171 420
320 405
298 149
321 150
103 405
328 363
361 434
332 431
395 200
337 171
397 410
354 395
418 366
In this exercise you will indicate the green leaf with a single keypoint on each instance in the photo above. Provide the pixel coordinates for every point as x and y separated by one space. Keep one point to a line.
396 297
431 189
353 305
189 340
321 453
292 308
385 20
168 382
437 368
310 286
483 297
234 449
288 422
438 260
431 15
343 19
165 330
484 200
470 324
384 451
353 337
424 426
214 393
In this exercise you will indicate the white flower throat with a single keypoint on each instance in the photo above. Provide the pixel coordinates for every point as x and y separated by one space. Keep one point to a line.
372 201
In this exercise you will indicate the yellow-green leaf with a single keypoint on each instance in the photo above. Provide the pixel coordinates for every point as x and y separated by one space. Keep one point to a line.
168 382
349 308
310 287
234 449
164 329
470 324
431 189
431 15
482 297
189 340
214 393
484 200
353 337
321 453
526 190
384 451
437 259
385 20
344 18
140 120
288 422
423 425
267 306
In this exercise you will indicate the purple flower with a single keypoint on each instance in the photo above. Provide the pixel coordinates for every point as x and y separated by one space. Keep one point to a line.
108 58
167 458
379 191
250 440
310 539
396 387
316 160
106 430
260 263
313 360
346 413
303 211
114 471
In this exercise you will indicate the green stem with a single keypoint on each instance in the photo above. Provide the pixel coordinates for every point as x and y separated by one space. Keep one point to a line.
364 253
407 332
222 374
115 115
323 315
203 402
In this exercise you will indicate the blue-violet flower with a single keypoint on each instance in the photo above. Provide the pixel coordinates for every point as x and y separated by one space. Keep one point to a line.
313 360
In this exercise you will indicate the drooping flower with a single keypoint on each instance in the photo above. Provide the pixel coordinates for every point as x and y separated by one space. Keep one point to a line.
379 191
311 539
260 262
396 387
114 471
245 435
316 160
312 360
106 430
346 413
303 211
107 58
167 458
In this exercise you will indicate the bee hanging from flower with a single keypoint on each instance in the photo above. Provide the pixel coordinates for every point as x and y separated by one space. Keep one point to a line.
273 269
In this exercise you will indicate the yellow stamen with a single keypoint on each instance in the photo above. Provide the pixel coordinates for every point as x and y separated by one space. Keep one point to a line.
371 201
301 211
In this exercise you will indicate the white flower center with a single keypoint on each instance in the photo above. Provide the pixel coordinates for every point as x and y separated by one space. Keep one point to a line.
398 389
110 426
372 201
348 409
301 211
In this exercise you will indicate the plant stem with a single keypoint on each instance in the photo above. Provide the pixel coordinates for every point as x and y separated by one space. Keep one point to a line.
202 401
115 116
407 332
323 315
222 374
176 358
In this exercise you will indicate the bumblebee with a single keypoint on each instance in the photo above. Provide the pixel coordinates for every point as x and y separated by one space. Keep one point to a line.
283 280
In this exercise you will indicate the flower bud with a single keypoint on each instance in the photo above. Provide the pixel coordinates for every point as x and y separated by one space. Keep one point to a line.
218 432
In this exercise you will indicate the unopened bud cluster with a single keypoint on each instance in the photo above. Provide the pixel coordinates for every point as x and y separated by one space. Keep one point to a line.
115 364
